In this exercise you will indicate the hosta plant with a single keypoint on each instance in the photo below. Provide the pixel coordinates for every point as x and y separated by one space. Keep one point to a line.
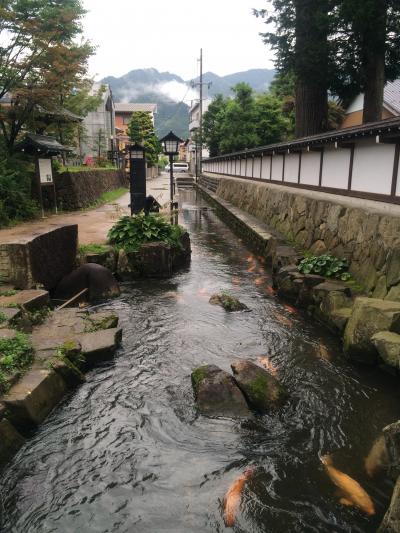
325 265
130 233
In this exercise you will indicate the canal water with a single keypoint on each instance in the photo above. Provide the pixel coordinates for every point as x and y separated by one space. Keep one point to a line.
127 451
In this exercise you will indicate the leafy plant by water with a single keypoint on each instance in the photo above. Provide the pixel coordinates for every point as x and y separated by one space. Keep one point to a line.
325 265
130 233
15 354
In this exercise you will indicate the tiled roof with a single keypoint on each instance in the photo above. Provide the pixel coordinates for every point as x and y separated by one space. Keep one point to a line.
392 95
130 108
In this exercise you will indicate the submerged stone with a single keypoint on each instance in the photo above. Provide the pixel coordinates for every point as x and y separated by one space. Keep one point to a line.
388 346
99 281
10 441
391 520
228 302
217 394
261 389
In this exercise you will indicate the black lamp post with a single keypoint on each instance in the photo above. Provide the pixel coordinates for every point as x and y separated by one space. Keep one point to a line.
137 174
170 144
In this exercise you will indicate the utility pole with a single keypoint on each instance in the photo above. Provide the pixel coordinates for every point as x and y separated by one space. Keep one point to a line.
199 140
201 112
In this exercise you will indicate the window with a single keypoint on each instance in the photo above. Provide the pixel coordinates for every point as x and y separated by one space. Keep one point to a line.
126 119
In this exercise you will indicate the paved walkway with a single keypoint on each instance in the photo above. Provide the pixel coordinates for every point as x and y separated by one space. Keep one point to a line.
93 224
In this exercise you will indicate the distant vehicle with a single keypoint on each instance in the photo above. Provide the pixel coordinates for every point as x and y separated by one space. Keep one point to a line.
178 167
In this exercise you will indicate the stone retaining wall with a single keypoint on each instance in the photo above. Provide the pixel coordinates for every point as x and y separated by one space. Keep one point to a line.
367 237
76 190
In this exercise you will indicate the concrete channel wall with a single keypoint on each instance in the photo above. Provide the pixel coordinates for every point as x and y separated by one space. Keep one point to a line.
366 232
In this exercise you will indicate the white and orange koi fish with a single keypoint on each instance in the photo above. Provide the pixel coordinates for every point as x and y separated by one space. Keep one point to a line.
268 365
233 497
351 491
378 457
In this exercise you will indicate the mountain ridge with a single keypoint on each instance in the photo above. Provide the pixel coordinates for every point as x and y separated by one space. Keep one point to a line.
168 91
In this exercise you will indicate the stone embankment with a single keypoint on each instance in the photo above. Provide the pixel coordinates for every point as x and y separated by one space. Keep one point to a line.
366 233
68 342
77 190
368 323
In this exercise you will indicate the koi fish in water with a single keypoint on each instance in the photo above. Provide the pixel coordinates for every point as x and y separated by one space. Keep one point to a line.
250 259
251 268
322 352
236 281
282 319
270 290
377 458
259 281
268 365
351 491
290 309
233 497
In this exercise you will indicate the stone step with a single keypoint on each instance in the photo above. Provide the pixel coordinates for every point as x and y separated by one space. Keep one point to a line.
30 299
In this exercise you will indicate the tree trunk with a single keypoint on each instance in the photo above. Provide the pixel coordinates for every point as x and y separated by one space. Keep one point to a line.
311 67
374 48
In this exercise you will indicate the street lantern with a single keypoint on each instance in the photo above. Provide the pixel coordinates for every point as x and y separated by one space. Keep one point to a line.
137 174
170 144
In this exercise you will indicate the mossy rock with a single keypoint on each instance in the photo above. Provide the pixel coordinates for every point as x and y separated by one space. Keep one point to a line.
228 302
261 389
217 394
100 321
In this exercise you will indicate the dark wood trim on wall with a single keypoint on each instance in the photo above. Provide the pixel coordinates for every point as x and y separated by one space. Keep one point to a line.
261 164
321 166
270 168
283 167
395 170
351 166
299 175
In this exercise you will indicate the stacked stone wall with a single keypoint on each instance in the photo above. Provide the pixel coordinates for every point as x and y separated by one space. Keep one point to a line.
369 239
77 190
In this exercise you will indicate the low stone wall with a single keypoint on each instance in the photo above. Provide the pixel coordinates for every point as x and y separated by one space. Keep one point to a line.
366 233
42 258
77 190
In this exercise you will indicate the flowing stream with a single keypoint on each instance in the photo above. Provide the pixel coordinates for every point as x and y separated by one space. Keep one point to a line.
127 452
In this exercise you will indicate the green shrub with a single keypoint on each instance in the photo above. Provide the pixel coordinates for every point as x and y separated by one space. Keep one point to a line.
15 191
93 249
15 354
130 233
325 265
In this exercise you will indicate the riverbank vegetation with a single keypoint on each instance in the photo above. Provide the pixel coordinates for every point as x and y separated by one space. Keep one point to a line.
16 353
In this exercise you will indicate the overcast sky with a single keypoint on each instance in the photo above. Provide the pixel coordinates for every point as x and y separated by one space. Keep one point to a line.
167 35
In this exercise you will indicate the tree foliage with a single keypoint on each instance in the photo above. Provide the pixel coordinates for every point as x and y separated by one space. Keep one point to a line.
244 121
42 65
339 46
141 131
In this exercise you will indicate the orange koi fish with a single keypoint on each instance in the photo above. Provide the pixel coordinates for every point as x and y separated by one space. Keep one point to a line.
233 497
259 281
322 352
203 292
250 259
270 290
352 492
236 280
268 365
290 309
282 319
251 268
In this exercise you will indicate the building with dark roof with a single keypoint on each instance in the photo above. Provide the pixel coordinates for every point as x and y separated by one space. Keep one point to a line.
391 105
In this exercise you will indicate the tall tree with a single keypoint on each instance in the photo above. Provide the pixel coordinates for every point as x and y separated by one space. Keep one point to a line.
300 38
141 131
213 123
40 61
367 51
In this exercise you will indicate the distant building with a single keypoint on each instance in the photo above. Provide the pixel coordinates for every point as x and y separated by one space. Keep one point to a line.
123 115
391 105
194 125
99 126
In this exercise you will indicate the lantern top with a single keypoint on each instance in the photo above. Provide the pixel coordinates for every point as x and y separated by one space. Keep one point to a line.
136 151
171 143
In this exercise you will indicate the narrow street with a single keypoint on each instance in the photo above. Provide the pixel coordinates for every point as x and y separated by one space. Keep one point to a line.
93 224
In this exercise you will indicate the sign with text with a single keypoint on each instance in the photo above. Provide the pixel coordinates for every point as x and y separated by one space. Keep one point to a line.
45 171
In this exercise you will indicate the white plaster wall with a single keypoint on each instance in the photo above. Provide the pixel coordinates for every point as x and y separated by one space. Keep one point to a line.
310 165
292 168
249 165
257 166
335 172
266 167
398 181
373 167
277 167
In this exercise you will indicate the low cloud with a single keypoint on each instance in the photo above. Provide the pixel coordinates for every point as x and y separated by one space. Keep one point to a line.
173 90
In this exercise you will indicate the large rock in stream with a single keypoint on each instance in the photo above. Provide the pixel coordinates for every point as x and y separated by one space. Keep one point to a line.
260 388
217 393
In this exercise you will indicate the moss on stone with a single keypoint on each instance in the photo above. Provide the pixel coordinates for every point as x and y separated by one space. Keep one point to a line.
198 375
94 323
